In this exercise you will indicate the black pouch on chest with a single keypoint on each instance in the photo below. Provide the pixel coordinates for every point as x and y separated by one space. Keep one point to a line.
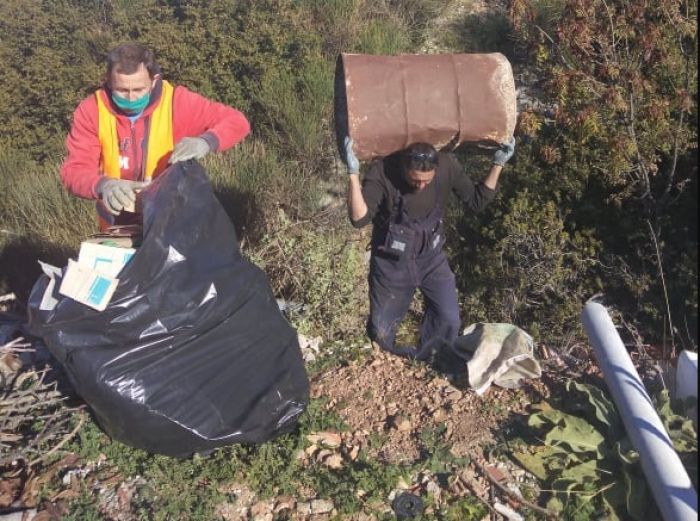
399 238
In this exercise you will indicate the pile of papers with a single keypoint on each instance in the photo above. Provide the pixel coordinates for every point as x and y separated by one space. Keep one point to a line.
93 278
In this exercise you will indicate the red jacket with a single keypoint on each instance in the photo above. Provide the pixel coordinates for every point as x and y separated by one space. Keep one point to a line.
193 115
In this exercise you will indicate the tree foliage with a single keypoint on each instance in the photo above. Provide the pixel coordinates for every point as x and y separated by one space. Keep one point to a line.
612 146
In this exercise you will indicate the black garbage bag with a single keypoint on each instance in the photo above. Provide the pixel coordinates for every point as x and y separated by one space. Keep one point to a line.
192 352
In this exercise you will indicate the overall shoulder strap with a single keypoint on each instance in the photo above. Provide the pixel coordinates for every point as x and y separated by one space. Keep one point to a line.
109 141
160 134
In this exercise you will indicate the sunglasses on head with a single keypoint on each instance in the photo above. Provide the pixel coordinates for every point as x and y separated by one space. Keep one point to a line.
423 156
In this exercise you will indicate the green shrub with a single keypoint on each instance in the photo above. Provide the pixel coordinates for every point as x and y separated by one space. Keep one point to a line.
325 271
609 170
532 272
383 37
622 77
297 106
35 203
49 51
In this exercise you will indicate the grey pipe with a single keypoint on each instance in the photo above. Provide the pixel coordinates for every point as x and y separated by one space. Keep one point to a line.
669 482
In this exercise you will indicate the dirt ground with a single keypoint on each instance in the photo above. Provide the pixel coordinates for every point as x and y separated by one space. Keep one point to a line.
396 400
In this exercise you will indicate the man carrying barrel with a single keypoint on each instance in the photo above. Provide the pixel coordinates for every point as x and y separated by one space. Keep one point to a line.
404 196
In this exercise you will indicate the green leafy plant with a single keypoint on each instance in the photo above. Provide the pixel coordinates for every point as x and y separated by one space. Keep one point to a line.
84 508
465 509
586 459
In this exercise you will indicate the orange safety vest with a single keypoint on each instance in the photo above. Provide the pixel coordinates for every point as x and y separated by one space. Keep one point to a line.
159 135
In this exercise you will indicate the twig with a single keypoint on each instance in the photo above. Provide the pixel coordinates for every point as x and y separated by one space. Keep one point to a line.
17 342
471 487
551 40
65 440
663 283
536 508
612 30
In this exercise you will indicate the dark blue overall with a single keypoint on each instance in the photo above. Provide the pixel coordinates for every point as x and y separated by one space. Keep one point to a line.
407 255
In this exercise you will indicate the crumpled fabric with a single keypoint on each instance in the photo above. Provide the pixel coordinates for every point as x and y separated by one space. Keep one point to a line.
497 353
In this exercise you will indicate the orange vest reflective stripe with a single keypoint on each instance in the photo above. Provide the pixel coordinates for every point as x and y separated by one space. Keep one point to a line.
159 135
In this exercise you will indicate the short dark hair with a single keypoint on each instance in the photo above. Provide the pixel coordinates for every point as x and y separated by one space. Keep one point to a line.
127 57
420 156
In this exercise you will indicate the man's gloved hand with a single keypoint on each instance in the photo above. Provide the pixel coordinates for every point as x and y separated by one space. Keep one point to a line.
351 160
504 153
189 148
117 194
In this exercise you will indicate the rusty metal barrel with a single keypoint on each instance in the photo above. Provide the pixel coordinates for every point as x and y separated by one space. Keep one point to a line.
386 103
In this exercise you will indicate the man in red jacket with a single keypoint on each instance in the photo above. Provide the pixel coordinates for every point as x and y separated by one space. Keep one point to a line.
128 131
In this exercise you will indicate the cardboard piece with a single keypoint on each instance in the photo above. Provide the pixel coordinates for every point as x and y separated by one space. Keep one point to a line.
87 286
123 236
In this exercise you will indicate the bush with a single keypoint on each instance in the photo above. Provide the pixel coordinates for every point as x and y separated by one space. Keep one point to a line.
613 153
325 271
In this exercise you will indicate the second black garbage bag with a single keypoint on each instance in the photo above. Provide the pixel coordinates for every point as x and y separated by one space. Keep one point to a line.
192 353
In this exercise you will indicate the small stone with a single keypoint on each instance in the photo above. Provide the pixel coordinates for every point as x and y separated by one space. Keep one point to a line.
440 383
227 511
327 439
402 484
433 488
403 425
321 506
454 396
441 415
334 461
284 503
311 450
262 511
322 455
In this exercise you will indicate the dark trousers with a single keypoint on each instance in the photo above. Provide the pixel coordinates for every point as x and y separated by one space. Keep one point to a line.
392 284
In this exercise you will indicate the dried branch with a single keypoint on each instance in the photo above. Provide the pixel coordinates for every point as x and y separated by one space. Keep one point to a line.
65 440
663 283
551 40
535 508
34 417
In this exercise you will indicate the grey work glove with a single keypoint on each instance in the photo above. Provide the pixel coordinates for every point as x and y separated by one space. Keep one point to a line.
504 153
189 148
117 194
351 160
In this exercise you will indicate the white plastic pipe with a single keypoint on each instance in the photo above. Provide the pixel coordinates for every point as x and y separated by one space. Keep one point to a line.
666 476
687 381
